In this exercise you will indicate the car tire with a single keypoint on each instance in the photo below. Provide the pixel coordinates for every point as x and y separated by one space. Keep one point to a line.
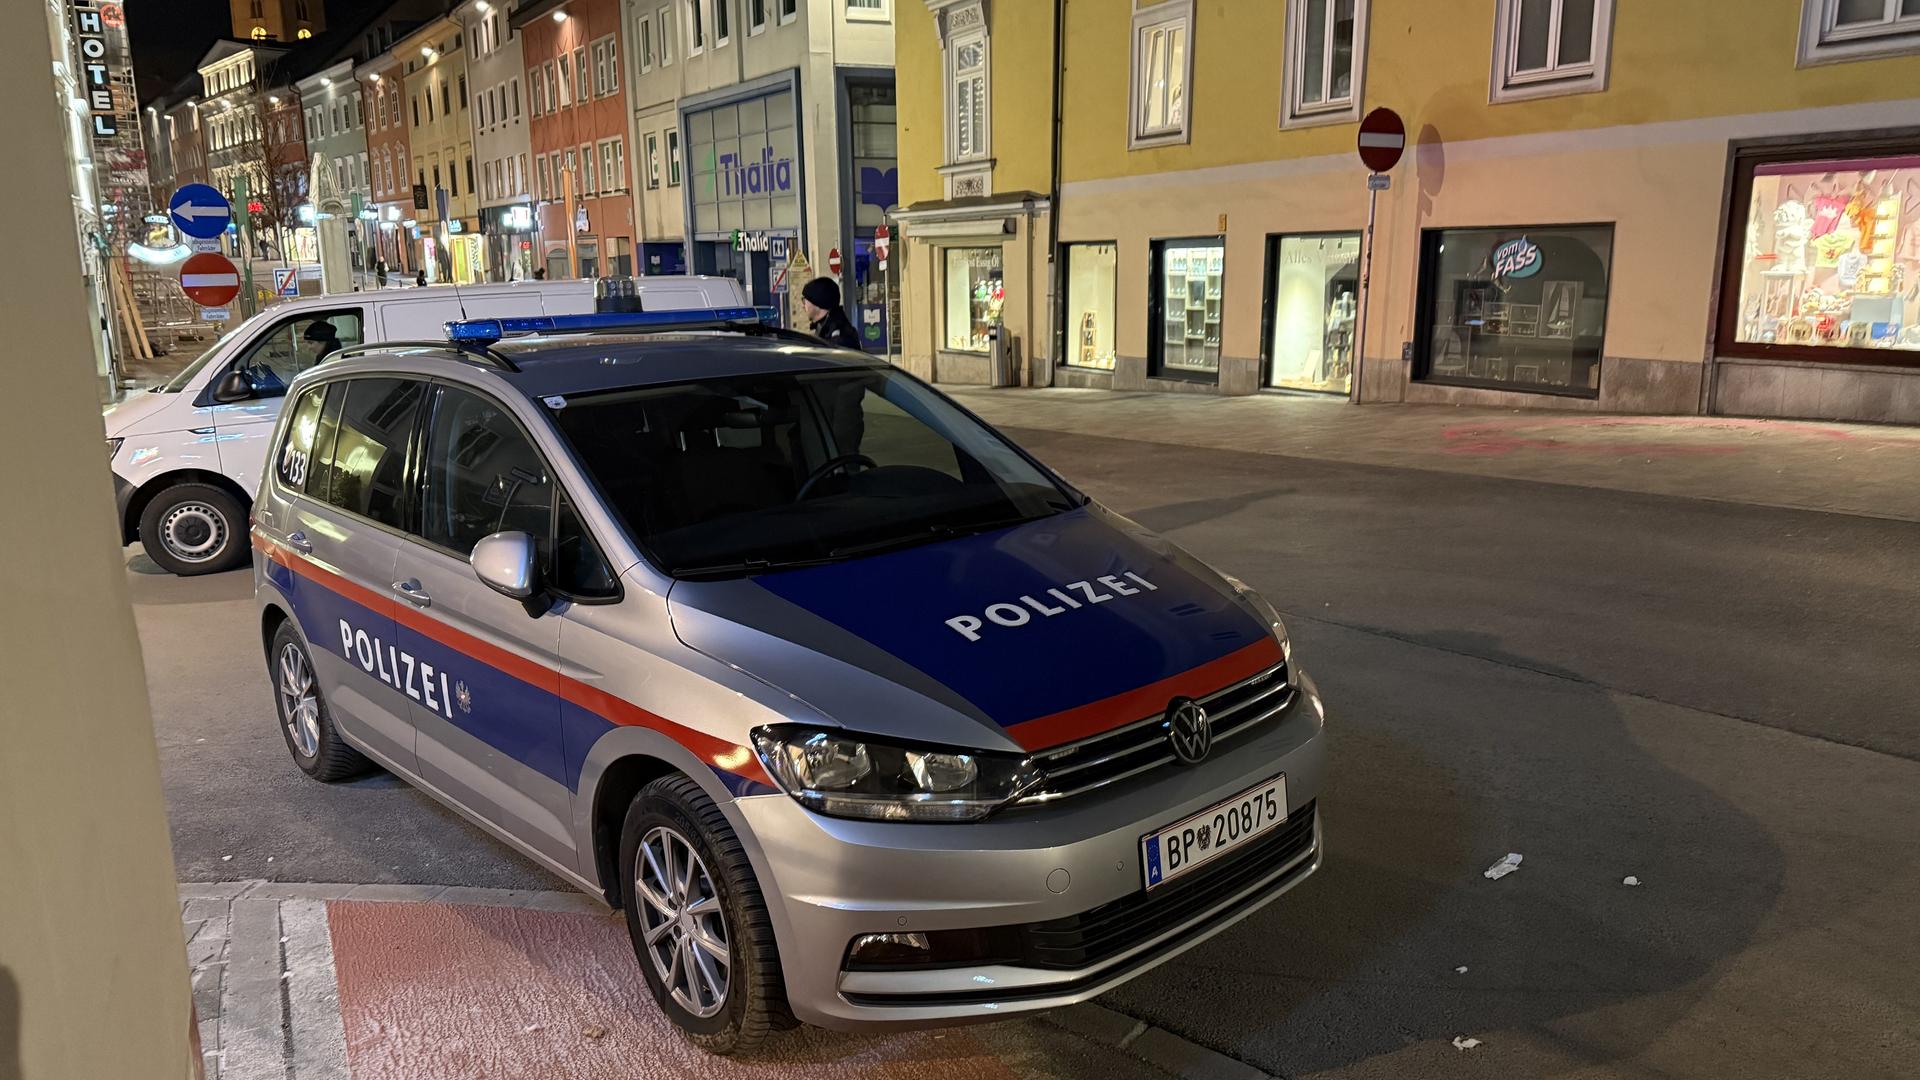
191 529
305 722
753 1003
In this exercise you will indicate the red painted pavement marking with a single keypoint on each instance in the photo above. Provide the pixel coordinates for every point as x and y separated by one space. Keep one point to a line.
439 990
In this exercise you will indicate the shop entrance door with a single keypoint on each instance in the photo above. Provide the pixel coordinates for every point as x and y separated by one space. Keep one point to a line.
1313 287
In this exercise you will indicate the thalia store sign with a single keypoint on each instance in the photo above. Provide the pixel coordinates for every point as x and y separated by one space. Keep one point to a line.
767 175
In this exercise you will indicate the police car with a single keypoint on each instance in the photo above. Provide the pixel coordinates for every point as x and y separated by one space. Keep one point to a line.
862 715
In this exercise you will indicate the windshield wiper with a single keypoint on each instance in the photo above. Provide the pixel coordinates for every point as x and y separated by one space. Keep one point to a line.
928 533
744 566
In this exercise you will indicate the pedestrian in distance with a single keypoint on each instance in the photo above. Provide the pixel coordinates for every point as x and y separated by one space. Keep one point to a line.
539 273
420 279
821 299
380 273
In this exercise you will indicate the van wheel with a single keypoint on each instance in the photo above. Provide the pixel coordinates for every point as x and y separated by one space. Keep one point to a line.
304 720
699 924
194 529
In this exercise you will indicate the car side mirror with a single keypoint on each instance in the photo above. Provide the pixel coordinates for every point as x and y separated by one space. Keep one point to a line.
233 386
505 562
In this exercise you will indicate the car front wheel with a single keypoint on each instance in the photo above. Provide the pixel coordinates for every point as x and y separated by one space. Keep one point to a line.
193 529
699 924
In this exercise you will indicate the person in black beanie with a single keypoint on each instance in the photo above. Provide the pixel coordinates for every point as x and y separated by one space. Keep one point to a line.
821 299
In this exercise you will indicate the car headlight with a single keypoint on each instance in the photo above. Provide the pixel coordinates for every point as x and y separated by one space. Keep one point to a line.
842 774
1266 611
113 447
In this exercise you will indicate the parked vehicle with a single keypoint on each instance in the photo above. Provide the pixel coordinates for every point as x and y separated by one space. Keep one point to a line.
861 714
187 455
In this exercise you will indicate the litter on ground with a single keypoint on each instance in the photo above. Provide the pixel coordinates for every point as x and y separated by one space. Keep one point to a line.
1504 867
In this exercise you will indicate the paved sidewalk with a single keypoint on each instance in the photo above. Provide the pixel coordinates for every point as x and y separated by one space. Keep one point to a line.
417 982
1864 469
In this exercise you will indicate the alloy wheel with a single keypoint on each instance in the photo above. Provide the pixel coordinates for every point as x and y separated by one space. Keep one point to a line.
299 702
684 925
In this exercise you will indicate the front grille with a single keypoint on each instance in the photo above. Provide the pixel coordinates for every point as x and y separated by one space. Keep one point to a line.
1078 941
1209 898
1140 747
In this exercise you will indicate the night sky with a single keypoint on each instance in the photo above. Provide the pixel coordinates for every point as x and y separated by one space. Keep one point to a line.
170 36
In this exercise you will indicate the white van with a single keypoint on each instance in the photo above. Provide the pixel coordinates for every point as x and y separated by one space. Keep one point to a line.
187 455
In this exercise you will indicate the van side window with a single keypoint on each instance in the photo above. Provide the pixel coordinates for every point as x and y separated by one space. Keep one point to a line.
480 476
366 469
295 460
296 344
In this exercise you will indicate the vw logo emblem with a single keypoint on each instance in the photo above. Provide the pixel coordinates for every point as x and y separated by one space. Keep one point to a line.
1189 731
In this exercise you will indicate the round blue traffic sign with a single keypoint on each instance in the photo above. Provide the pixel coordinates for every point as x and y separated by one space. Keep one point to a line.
199 210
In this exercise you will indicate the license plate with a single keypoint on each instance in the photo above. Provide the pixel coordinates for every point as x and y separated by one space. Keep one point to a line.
1211 833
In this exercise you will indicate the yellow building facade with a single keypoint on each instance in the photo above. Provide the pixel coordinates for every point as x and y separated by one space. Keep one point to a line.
447 239
1603 204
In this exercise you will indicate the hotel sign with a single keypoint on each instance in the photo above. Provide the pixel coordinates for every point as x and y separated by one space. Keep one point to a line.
89 32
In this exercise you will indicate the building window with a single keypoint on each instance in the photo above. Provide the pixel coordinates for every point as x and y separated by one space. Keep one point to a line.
1832 31
969 129
673 157
606 67
446 96
416 111
1313 285
789 11
1187 285
976 292
867 10
609 179
543 187
644 31
1546 47
537 91
580 71
1326 58
722 22
1514 308
562 81
1093 281
664 19
1162 70
469 174
653 161
1823 255
463 91
696 28
756 16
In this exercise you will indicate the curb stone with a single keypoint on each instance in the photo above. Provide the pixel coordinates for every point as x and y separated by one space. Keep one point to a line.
209 903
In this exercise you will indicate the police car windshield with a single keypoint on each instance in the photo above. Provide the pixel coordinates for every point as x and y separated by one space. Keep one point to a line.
737 475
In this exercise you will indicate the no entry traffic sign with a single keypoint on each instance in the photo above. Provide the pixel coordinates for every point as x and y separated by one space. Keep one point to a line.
833 262
1382 138
200 211
209 279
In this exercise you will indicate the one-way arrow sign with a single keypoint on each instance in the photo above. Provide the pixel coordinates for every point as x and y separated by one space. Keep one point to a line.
199 210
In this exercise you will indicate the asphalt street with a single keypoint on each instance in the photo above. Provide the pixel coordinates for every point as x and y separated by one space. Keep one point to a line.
1712 698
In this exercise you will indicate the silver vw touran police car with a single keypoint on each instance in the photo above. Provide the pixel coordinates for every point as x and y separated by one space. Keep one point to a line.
861 714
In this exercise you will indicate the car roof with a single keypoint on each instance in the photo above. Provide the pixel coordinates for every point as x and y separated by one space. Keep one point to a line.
542 366
585 363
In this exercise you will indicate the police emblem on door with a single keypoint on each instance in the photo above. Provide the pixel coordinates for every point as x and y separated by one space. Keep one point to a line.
463 697
1189 731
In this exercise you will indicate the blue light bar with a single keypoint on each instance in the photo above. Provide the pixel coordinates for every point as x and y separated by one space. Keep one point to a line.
488 331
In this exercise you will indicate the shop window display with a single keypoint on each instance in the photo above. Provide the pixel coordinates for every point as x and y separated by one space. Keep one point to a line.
1314 284
976 293
1189 278
1516 308
1092 281
1831 255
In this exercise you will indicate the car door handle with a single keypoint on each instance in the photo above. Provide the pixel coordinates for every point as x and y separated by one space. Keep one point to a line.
411 591
298 541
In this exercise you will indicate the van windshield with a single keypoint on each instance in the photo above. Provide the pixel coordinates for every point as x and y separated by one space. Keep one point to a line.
733 476
191 372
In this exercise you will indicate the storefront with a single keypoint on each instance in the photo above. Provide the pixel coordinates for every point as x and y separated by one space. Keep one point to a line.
1092 274
663 257
1519 308
1826 266
975 287
744 194
1188 280
872 295
1310 311
509 240
466 251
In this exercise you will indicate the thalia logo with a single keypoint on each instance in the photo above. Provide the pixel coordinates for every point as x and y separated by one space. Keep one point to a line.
759 177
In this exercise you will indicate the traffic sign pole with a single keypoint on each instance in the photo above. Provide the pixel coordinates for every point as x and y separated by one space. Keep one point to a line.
1382 139
247 299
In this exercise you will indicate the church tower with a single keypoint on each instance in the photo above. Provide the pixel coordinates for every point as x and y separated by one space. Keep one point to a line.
278 20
